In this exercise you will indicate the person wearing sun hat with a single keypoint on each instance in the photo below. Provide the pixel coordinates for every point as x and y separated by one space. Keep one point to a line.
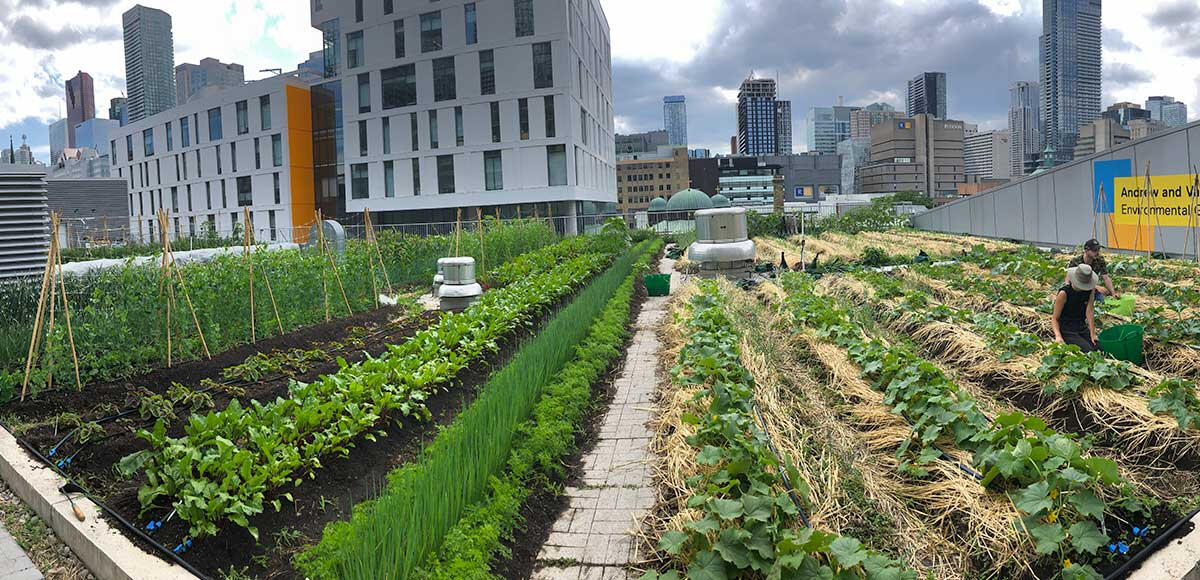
1074 319
1091 256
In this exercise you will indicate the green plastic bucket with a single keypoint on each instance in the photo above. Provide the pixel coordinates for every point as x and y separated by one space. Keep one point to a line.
1123 342
658 284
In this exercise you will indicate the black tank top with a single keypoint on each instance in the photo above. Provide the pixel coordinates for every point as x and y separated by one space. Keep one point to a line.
1075 309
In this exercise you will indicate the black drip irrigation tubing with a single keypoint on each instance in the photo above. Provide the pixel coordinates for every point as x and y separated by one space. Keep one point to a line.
779 465
1150 550
167 552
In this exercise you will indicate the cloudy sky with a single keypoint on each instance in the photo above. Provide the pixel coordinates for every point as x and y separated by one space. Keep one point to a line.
820 50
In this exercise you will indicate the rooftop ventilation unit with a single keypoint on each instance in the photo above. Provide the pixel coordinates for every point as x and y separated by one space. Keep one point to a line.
723 246
458 288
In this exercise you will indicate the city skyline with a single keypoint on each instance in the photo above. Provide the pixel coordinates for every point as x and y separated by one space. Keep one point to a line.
1139 54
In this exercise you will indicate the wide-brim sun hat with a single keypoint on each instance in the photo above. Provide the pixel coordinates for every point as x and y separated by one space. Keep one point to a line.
1082 277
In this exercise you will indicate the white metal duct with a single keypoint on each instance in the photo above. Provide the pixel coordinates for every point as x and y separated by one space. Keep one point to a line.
24 221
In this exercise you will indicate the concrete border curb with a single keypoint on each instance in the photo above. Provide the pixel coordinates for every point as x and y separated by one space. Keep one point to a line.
105 551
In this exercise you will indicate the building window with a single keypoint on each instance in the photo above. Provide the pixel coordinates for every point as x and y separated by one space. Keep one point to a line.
214 124
487 72
199 167
362 138
399 86
170 138
543 66
398 37
416 173
184 132
233 222
233 156
493 171
523 14
271 224
433 129
472 30
386 129
330 51
556 164
389 179
549 104
443 79
218 153
196 124
257 157
431 32
416 145
359 182
445 173
185 171
264 112
148 142
354 49
387 6
224 196
358 10
244 198
583 125
277 150
275 178
129 147
523 117
458 126
192 225
364 93
174 199
495 122
243 117
207 194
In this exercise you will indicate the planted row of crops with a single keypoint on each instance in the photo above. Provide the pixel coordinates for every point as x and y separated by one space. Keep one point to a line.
742 517
419 515
232 462
1072 505
119 316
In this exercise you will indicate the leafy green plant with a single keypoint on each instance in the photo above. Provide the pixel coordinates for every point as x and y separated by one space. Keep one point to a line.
1065 369
1178 398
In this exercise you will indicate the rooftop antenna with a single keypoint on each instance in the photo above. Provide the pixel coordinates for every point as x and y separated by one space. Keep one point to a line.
12 154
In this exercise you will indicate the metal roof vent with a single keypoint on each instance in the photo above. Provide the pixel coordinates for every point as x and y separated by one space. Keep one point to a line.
458 288
723 245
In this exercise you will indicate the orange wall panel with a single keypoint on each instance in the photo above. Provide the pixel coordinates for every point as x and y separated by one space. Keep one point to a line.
300 154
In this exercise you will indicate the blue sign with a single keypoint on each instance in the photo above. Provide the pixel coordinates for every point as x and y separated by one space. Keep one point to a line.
1103 175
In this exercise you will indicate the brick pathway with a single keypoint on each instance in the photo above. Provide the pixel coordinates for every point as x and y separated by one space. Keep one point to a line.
14 563
592 539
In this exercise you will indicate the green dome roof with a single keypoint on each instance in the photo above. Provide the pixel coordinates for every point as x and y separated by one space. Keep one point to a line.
719 200
658 204
689 200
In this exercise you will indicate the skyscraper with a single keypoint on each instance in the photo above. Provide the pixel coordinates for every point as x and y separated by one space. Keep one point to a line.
1166 109
1024 126
764 123
927 95
117 110
828 126
675 119
861 120
1125 112
1070 67
149 62
191 78
81 103
58 138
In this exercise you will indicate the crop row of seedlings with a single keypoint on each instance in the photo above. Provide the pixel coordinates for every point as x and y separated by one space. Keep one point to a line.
738 513
228 461
1141 416
448 514
1072 505
120 319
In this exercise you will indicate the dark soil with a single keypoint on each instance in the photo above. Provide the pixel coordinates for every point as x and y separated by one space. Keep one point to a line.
543 507
1108 564
66 399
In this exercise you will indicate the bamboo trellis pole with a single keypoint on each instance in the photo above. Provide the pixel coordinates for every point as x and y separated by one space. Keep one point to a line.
482 253
246 237
62 284
332 264
266 279
373 241
37 326
164 279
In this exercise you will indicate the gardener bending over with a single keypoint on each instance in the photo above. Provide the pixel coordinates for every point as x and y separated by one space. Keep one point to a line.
1091 257
1074 320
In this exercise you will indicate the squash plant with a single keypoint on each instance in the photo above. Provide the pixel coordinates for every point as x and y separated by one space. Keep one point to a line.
1065 369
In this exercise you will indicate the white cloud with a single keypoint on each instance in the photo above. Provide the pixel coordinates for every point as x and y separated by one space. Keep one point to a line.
671 30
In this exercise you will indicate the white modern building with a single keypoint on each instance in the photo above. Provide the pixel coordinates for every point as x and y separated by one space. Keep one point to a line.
249 146
453 104
987 155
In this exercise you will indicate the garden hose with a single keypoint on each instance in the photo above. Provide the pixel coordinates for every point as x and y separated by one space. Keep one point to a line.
169 554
